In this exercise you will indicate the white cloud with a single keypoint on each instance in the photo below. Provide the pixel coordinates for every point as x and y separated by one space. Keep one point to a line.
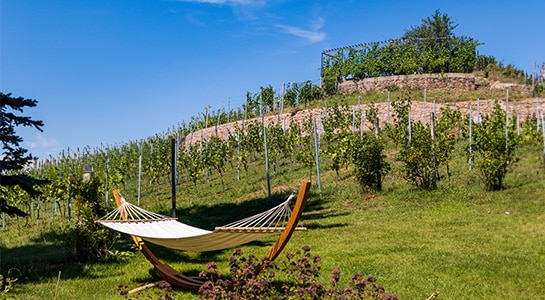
243 9
314 35
41 142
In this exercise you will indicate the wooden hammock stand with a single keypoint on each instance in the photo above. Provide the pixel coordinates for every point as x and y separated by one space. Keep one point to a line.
187 282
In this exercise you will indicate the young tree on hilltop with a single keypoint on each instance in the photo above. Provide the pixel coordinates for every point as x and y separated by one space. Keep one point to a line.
437 26
14 157
440 50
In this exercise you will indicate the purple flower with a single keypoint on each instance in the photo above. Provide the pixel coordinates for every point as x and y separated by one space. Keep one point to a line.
211 266
306 248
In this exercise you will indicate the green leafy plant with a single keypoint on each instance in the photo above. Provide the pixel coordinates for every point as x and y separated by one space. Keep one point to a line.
337 136
305 145
398 130
215 155
91 240
429 148
6 283
369 160
495 147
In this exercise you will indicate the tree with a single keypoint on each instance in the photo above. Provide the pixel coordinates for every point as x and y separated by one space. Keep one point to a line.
14 158
437 26
440 50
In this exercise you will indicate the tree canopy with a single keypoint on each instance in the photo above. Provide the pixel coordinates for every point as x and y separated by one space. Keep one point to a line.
14 157
431 47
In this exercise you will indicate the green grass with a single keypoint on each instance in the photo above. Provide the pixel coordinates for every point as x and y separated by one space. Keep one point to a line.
460 240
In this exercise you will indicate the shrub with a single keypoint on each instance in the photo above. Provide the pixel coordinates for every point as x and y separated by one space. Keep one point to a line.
248 279
495 147
369 161
91 240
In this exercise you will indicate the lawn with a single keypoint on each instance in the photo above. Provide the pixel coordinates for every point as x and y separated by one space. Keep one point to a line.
460 240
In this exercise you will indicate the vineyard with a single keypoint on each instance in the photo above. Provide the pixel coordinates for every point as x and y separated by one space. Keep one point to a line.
317 139
375 148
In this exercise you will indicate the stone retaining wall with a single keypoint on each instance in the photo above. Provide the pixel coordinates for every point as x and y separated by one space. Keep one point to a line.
447 81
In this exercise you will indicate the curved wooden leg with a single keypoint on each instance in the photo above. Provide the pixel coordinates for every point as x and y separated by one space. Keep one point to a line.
285 236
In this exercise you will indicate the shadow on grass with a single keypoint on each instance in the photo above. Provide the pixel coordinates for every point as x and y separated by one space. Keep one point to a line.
50 253
43 257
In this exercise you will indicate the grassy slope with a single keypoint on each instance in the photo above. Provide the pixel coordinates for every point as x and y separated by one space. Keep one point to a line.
460 240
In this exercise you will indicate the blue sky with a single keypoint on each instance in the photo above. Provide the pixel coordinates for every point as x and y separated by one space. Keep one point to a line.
106 72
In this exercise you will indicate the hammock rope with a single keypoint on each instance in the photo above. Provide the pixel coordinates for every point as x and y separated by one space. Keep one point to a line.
273 218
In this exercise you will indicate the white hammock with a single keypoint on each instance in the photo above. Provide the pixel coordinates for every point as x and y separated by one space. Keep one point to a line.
170 233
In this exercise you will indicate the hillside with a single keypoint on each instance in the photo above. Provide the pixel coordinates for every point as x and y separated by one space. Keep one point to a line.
523 107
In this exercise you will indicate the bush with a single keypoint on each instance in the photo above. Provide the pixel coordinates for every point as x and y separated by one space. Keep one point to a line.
369 161
249 279
495 147
92 240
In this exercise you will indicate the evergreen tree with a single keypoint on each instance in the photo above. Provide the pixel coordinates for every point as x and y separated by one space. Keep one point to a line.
15 158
